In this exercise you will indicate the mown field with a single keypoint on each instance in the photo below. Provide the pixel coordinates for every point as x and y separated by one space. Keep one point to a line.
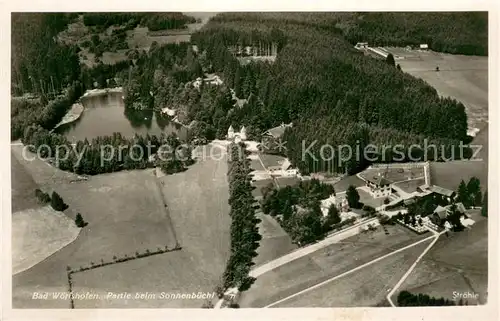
464 78
275 241
23 187
324 264
367 287
197 203
457 263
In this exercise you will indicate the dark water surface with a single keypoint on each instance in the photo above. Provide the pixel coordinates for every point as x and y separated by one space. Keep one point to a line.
106 114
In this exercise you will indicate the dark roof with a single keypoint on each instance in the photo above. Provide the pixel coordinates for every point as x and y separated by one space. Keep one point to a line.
278 131
441 190
441 212
378 180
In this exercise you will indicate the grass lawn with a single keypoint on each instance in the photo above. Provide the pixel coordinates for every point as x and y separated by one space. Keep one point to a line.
455 263
324 264
275 241
366 287
367 199
197 202
344 183
125 215
287 181
256 165
37 233
271 160
464 78
449 174
140 38
259 185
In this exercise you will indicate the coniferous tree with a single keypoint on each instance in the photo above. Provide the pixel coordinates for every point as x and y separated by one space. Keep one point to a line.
57 202
463 195
390 60
484 208
352 197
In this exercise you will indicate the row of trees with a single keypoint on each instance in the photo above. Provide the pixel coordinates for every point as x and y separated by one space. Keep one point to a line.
245 235
470 194
110 153
298 210
406 298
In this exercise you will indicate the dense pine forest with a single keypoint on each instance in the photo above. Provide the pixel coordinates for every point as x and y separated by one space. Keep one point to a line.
463 33
331 93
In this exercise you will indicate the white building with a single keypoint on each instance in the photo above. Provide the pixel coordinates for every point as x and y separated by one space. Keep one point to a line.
237 136
339 201
287 170
424 46
379 186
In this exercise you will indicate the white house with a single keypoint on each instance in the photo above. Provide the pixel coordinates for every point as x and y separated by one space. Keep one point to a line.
237 136
339 201
378 186
424 46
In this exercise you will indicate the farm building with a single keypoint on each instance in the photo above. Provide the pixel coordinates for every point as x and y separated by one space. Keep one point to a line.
440 214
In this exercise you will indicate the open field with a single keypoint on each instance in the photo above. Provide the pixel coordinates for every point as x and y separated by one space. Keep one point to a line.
324 264
449 174
23 187
275 241
366 287
464 78
271 160
344 183
455 263
141 39
126 214
257 193
367 199
37 233
197 202
393 174
287 181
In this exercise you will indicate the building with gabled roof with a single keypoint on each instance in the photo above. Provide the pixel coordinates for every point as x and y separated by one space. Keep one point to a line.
236 136
278 131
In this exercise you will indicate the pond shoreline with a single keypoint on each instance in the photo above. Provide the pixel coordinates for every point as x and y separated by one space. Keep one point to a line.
104 91
72 115
77 108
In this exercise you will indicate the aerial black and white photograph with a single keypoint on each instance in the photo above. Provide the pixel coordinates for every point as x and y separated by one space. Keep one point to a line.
232 160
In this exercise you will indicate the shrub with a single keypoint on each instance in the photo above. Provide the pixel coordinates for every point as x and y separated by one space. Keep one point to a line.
386 201
79 221
42 197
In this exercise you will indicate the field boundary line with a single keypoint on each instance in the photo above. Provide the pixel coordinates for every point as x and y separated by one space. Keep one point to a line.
349 272
303 251
412 267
